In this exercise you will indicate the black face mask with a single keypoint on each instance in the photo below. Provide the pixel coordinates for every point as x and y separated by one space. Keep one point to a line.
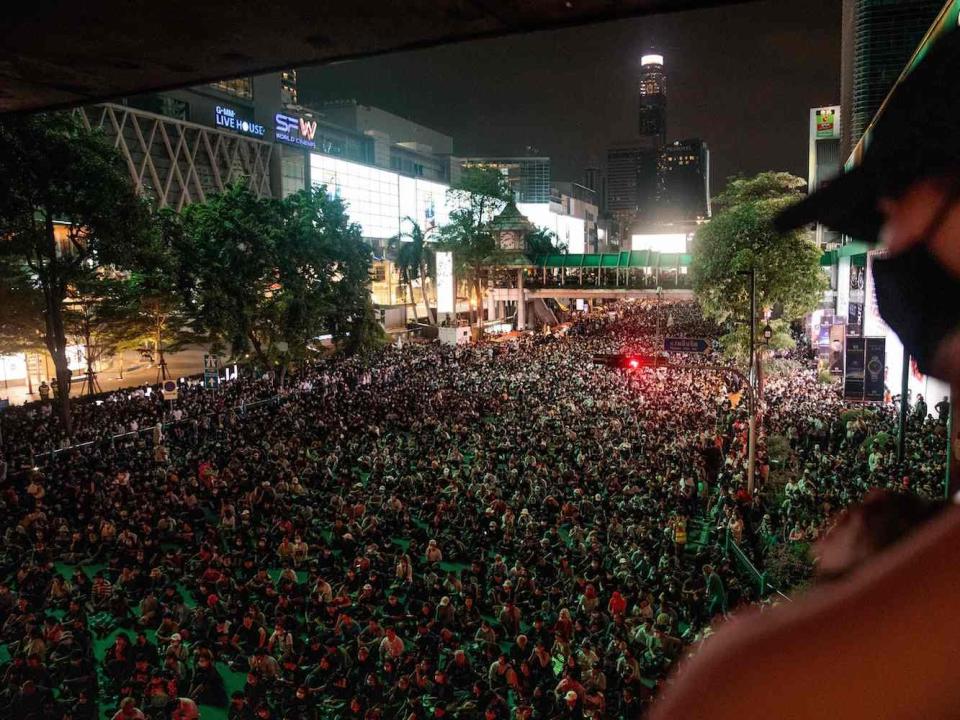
919 300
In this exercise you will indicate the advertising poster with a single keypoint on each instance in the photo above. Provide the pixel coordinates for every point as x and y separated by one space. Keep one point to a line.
874 369
855 368
827 126
835 359
446 301
858 277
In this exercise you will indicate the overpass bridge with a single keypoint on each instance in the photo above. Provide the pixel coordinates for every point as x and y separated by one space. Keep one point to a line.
504 303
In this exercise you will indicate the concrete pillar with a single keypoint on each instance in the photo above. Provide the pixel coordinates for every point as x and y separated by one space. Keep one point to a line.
491 306
521 303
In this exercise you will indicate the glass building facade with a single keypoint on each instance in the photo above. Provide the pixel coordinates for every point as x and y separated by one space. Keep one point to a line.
880 36
528 177
378 200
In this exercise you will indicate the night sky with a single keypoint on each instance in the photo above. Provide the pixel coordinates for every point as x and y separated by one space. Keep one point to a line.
741 77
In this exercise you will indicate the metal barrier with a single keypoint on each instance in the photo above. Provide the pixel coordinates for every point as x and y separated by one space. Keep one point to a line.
760 578
49 456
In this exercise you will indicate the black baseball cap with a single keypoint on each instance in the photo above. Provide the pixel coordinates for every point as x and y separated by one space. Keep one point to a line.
916 136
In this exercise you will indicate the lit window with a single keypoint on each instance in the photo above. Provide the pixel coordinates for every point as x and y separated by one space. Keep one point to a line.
239 87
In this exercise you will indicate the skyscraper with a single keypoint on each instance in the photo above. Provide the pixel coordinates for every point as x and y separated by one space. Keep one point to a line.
653 100
825 160
631 177
879 37
684 191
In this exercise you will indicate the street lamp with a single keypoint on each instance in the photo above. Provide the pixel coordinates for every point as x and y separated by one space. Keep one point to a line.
767 334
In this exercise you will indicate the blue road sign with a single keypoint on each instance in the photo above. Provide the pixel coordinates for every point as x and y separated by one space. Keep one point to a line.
685 345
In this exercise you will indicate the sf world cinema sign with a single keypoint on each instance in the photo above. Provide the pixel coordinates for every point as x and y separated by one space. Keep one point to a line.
295 130
226 117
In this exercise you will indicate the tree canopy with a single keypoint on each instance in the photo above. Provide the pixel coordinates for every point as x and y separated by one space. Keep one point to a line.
478 196
67 209
270 276
741 238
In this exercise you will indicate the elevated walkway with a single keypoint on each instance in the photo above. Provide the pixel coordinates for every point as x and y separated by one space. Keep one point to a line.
573 291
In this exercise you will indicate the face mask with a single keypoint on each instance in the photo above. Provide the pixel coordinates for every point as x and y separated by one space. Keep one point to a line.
919 300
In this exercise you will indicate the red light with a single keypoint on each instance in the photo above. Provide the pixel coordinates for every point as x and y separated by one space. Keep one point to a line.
633 363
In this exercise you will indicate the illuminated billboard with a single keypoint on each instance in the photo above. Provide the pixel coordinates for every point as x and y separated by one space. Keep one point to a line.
295 130
446 289
372 196
230 118
660 242
825 123
380 201
570 231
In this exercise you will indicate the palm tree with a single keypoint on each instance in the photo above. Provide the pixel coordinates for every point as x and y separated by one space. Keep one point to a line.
413 257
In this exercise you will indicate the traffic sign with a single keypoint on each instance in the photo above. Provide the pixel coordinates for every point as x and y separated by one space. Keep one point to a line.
211 371
170 390
685 345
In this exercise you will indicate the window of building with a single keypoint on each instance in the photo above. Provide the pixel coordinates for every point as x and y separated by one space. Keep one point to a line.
292 173
288 87
238 87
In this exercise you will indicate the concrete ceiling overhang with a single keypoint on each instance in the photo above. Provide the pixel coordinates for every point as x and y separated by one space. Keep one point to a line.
58 54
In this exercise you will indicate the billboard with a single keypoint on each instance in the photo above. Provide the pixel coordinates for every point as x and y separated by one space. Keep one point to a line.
825 123
875 369
854 368
838 333
855 307
446 288
660 242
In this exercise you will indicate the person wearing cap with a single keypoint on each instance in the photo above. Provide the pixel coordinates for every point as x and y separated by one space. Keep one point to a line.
571 706
839 652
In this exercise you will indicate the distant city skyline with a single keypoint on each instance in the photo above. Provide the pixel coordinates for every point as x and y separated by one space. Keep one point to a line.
742 77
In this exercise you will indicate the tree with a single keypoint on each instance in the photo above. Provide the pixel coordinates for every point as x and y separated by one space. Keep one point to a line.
149 306
479 195
741 239
270 276
67 207
544 242
413 257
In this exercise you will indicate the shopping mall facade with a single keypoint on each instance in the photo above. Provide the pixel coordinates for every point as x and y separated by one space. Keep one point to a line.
183 146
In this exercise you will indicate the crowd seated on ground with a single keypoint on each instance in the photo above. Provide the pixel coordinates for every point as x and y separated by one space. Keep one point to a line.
499 531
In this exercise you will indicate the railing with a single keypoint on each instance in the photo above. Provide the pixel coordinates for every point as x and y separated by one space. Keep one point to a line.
49 456
731 549
761 579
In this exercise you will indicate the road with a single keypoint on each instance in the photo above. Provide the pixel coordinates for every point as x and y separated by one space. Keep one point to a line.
135 372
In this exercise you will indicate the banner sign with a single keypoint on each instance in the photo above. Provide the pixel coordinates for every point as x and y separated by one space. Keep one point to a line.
446 298
875 369
858 277
838 336
854 370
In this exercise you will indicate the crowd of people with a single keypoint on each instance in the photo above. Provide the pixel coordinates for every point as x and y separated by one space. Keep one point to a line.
505 530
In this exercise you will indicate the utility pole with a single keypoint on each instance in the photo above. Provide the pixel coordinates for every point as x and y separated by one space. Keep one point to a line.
752 427
904 390
659 319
